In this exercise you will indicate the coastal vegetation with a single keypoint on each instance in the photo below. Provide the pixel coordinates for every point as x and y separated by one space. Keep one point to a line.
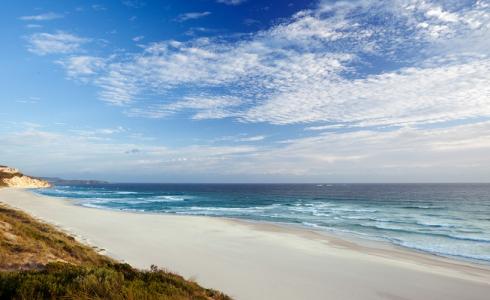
37 261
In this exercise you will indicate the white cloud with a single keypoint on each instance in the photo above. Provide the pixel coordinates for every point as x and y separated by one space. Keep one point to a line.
203 107
29 100
54 43
94 152
255 138
192 16
118 87
42 17
167 65
408 96
118 129
444 16
327 127
138 38
80 66
459 153
447 20
31 26
96 133
406 154
98 7
418 69
239 138
318 67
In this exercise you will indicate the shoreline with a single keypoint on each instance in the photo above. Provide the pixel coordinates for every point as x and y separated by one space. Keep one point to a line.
353 237
250 259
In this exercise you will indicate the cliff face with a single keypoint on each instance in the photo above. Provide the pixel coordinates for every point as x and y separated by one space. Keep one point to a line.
10 177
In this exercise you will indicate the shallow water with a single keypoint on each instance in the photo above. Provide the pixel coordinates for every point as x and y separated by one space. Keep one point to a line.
444 219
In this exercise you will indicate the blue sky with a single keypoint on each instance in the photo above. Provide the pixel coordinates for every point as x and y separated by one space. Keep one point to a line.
247 91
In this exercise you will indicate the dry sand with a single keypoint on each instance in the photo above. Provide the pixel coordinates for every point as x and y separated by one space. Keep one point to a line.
259 260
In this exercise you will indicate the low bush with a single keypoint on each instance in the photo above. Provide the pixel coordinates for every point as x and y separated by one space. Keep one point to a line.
112 281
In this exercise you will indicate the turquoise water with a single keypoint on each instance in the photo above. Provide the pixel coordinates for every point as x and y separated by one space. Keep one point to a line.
445 219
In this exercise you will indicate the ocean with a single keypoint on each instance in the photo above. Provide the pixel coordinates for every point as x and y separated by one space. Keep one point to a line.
450 220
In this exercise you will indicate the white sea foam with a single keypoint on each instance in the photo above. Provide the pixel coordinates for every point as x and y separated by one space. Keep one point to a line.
441 227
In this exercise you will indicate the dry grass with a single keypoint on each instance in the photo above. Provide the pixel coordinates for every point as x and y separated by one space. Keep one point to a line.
7 176
26 243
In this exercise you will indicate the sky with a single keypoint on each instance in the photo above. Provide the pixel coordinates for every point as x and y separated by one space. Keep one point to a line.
247 90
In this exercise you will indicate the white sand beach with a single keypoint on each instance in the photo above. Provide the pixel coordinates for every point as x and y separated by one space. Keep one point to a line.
259 260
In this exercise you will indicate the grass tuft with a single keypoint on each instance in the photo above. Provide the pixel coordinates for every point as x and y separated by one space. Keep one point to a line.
112 281
26 243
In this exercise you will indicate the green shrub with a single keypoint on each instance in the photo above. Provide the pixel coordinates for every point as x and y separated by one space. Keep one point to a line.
40 262
112 281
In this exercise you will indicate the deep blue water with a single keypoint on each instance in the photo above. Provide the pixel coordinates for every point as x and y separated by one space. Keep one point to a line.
444 219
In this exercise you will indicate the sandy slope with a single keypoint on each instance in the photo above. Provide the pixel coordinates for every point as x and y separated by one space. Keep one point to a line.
259 260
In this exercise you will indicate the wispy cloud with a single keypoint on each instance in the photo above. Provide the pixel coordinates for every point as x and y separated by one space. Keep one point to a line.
95 152
377 90
408 96
29 100
255 138
327 127
239 138
317 67
405 154
133 3
99 131
31 26
192 15
42 17
98 7
250 22
79 67
216 107
138 38
53 43
459 153
231 2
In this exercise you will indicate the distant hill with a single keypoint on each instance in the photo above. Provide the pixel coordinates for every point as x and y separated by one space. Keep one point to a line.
60 181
